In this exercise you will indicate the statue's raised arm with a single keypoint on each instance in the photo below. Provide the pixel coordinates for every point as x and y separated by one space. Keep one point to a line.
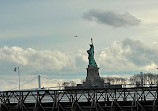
91 54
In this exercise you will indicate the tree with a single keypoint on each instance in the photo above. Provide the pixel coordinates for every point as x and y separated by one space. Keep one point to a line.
65 84
72 83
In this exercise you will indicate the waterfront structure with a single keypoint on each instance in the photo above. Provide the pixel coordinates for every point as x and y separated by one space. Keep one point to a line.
93 79
103 99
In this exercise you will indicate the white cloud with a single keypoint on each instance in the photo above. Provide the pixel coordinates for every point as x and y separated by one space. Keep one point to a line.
126 55
41 60
81 59
129 55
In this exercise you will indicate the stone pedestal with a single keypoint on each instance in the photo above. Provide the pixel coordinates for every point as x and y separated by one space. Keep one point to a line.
93 79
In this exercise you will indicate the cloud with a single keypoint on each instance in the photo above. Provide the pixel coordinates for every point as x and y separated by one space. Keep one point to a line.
54 60
111 18
125 55
81 59
139 53
129 55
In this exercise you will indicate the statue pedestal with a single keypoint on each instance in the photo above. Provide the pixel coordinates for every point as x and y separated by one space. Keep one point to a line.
93 79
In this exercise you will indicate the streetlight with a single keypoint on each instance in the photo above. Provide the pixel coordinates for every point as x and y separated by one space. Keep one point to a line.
17 69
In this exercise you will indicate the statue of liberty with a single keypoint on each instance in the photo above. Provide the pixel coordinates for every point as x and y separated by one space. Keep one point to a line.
93 79
91 55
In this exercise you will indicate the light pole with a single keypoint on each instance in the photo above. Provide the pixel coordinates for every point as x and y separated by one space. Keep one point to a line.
17 69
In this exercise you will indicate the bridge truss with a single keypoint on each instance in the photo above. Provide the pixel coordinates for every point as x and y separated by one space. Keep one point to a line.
107 99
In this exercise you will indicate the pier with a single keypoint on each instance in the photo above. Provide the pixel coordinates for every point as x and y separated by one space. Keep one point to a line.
105 99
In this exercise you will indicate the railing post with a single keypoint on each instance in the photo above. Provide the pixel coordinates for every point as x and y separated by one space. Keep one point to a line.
55 97
157 92
89 98
21 100
37 100
124 98
7 98
115 95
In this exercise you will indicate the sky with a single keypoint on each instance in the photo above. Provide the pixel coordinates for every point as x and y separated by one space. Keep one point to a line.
38 37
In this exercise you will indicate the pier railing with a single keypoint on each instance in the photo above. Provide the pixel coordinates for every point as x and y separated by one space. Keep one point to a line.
74 98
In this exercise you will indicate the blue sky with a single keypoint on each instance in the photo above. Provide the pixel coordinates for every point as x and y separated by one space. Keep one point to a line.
39 37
